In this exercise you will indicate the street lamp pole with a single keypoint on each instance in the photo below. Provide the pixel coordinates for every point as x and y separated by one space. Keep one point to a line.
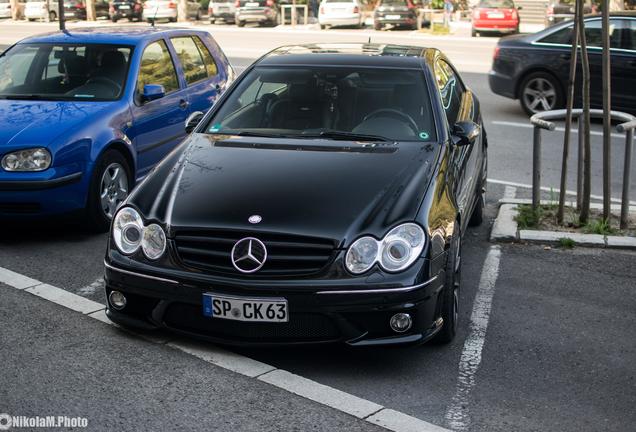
607 106
60 15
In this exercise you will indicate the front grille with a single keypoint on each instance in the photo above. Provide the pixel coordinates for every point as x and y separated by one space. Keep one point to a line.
301 326
286 254
19 208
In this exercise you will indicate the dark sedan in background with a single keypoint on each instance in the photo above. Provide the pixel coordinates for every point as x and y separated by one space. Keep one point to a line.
130 9
323 199
534 68
395 14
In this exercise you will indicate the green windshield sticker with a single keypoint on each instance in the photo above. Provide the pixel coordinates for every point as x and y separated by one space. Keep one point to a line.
215 128
424 135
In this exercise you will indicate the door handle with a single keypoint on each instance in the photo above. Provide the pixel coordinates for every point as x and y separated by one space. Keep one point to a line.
183 104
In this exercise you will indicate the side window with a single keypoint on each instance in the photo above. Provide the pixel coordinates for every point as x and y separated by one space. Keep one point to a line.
15 69
157 68
450 89
629 40
190 58
208 59
561 37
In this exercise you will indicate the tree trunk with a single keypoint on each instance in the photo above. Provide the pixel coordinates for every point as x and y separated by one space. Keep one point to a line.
587 165
607 107
182 11
90 10
568 122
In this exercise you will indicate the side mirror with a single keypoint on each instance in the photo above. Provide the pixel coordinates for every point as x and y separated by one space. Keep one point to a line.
465 133
192 121
152 92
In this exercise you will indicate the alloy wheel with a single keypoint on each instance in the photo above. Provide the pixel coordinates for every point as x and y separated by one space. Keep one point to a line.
114 188
539 95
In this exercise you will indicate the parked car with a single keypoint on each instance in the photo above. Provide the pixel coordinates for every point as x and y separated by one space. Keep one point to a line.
340 13
168 10
395 13
264 12
130 9
222 11
76 9
322 199
41 9
86 114
5 9
534 68
495 16
562 10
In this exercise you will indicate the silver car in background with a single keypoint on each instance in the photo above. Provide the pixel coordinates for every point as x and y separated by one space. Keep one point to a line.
39 9
340 13
168 10
222 11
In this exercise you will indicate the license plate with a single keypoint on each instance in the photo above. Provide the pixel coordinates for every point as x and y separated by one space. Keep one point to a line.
251 4
124 7
245 309
495 15
392 17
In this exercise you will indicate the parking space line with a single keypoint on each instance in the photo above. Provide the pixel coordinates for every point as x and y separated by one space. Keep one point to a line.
363 409
458 413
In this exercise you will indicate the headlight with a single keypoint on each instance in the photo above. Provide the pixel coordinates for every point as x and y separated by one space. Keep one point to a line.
36 159
362 254
401 247
153 242
127 230
396 252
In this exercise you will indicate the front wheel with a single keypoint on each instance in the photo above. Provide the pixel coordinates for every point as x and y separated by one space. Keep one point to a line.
240 23
450 294
110 184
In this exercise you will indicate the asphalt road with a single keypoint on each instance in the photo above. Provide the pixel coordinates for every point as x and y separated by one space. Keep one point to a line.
558 353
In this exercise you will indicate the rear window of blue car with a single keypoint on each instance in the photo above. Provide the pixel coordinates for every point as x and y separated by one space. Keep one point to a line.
91 72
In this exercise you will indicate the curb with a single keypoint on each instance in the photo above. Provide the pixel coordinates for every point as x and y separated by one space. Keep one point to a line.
506 229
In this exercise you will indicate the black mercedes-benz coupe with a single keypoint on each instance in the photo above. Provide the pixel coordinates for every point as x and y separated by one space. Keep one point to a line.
322 199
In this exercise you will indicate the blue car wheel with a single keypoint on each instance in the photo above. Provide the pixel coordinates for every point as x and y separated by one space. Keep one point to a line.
110 185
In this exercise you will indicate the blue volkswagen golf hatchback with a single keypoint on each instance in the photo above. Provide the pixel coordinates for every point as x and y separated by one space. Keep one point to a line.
85 114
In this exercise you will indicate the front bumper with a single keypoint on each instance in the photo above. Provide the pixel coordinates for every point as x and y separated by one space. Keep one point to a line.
39 194
357 316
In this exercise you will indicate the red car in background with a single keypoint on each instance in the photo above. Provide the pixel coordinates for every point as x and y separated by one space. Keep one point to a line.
497 16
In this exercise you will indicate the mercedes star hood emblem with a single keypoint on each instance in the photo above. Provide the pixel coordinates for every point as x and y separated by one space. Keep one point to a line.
248 255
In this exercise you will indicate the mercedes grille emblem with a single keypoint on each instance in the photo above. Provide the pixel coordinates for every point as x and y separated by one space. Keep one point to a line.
254 219
248 255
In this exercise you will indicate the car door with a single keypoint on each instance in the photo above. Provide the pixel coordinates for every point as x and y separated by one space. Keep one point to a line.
200 71
158 125
459 105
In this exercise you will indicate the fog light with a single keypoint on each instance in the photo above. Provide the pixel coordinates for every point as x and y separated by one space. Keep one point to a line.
400 322
117 300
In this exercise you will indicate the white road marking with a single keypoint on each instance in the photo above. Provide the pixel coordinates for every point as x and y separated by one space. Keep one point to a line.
312 390
548 189
557 129
458 414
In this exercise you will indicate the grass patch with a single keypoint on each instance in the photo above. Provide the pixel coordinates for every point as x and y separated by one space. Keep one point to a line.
528 217
566 243
599 226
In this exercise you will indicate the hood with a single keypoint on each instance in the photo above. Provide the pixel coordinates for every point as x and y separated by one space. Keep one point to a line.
26 122
329 189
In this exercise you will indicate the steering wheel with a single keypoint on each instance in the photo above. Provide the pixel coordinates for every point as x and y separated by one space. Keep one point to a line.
104 80
399 115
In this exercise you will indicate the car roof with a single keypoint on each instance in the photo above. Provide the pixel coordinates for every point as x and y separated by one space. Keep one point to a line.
350 54
124 35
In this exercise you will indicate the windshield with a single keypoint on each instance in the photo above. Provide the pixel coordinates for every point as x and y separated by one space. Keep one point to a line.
330 102
64 72
395 2
497 4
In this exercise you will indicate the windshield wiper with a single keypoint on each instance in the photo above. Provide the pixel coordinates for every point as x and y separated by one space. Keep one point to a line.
20 96
256 134
347 136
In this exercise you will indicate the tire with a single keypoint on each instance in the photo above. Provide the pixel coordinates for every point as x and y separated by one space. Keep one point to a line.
52 16
111 177
172 19
198 17
377 26
240 23
114 19
150 20
474 33
323 27
540 91
450 294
